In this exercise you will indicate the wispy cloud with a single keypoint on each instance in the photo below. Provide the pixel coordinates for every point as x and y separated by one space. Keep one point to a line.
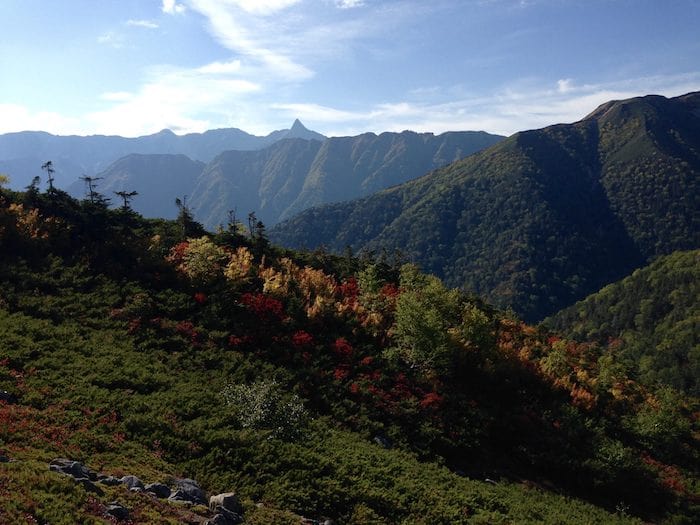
349 4
171 7
14 117
184 100
148 24
262 7
239 26
112 39
512 108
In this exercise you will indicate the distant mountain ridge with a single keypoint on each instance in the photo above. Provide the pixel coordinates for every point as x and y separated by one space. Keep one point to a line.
286 177
545 217
23 153
292 175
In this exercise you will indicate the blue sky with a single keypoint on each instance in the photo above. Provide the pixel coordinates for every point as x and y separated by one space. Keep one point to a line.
133 67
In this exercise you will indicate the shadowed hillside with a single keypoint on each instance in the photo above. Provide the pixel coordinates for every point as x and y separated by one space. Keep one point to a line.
543 218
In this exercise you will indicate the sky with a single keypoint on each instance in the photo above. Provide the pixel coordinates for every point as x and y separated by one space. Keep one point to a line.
343 67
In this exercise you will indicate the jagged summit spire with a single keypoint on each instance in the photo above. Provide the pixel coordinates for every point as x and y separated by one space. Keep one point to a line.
298 126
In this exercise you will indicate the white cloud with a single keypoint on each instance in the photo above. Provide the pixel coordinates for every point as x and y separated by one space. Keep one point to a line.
115 96
14 117
184 100
235 25
349 4
171 7
148 24
512 108
112 38
565 85
233 66
262 7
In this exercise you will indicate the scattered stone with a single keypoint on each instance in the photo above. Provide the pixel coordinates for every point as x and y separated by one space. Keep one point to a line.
188 491
75 469
110 481
158 490
89 486
132 482
225 517
383 442
227 500
117 511
8 397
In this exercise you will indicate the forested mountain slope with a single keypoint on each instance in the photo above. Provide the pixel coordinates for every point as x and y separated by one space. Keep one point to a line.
544 218
651 319
157 179
291 176
311 385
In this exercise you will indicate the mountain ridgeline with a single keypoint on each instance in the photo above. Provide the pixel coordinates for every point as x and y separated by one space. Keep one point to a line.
286 177
543 218
293 175
22 153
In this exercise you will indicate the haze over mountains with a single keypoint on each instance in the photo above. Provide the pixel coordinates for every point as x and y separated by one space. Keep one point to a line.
544 218
274 176
22 153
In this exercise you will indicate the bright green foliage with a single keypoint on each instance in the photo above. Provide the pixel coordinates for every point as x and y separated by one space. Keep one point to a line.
651 321
203 260
262 405
424 313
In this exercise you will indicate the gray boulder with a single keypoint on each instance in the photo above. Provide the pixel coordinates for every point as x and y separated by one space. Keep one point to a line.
158 490
188 491
227 500
74 469
117 511
225 517
8 397
89 486
383 441
132 482
110 481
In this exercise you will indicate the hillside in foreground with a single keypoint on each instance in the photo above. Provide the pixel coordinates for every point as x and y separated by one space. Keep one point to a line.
311 385
544 218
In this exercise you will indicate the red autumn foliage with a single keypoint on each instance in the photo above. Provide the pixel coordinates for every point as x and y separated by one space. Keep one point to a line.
200 298
263 306
342 348
236 341
187 329
431 400
301 338
367 361
354 388
341 373
390 290
177 253
349 289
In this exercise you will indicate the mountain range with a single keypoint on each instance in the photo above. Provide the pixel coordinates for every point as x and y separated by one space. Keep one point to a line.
23 153
285 177
543 218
